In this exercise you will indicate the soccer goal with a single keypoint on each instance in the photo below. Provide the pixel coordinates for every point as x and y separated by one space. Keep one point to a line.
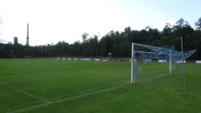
145 53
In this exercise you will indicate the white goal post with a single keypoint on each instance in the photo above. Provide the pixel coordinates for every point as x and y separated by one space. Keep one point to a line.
133 74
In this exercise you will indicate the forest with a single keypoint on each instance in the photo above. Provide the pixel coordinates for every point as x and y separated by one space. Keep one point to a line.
114 43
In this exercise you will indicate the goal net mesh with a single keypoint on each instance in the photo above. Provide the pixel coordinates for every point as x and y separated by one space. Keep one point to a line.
142 54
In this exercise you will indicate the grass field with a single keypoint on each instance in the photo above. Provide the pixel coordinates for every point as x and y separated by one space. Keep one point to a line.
51 86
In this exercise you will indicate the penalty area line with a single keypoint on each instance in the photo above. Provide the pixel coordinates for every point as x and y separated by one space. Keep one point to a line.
24 92
68 99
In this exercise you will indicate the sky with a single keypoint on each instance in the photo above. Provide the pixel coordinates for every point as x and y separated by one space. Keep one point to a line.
51 21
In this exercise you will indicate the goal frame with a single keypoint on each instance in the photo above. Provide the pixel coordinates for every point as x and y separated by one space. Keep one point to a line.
133 62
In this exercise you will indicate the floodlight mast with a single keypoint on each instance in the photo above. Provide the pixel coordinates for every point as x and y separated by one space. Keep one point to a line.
133 74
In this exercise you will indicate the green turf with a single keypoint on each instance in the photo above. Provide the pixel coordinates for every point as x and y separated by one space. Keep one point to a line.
51 86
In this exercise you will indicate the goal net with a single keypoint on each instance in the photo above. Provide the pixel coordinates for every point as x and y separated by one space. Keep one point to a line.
145 53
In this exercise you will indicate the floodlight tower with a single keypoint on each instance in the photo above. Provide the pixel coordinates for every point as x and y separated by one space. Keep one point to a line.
27 35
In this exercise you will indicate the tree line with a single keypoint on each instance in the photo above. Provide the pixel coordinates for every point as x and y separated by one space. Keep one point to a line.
114 43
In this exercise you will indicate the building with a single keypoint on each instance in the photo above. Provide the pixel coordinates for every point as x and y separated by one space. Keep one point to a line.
15 40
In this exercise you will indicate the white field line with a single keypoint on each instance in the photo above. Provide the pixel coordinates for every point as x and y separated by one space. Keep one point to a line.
29 94
161 75
182 72
68 99
35 79
188 70
193 69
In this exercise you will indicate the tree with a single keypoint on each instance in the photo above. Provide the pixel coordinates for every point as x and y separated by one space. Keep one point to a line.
18 50
91 47
167 30
147 28
84 36
143 35
198 23
154 36
104 46
182 23
182 28
75 49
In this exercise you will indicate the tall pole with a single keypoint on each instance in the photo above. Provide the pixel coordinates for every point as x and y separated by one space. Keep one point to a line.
184 75
27 35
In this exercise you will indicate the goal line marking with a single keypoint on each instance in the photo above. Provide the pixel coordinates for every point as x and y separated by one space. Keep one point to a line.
68 99
24 92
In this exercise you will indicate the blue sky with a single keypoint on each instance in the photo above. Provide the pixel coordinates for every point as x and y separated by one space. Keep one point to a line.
51 21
